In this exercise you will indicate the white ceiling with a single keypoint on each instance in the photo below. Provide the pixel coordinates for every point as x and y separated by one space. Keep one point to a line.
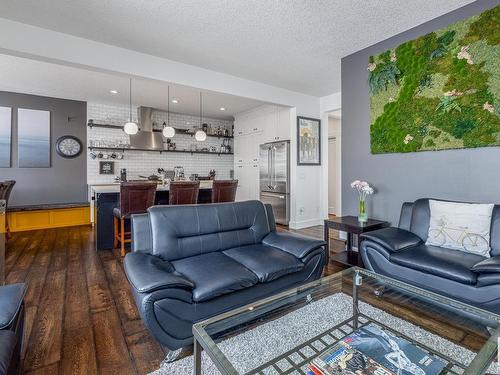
47 79
294 44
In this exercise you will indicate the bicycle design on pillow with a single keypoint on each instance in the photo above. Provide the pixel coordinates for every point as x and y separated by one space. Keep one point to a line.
470 241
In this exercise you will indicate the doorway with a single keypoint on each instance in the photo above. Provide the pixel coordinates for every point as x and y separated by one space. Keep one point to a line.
334 163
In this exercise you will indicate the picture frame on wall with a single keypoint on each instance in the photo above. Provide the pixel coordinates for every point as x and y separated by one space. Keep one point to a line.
106 167
5 136
33 138
308 141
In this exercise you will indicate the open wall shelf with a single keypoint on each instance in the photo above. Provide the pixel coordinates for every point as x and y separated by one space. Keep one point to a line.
91 124
125 149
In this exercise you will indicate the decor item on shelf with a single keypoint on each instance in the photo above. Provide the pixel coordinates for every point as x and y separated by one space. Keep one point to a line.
68 146
200 135
439 91
363 189
309 141
5 136
168 131
130 127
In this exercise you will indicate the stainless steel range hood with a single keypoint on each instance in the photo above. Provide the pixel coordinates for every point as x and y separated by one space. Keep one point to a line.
146 139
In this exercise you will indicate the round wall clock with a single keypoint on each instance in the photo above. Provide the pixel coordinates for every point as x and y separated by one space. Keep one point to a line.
68 146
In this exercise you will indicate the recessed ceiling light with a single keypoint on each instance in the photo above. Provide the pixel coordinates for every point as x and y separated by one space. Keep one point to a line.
175 101
222 108
113 92
188 123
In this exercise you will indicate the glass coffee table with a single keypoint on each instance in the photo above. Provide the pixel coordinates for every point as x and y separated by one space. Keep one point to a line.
282 334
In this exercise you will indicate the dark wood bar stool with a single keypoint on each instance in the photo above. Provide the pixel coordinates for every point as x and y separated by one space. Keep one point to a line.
183 192
135 198
5 190
224 190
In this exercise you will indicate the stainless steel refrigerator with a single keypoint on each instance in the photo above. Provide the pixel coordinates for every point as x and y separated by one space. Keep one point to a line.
274 178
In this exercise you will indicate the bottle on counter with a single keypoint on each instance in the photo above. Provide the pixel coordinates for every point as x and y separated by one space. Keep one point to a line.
123 175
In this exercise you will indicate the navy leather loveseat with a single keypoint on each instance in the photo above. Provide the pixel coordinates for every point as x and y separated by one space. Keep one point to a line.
401 253
195 261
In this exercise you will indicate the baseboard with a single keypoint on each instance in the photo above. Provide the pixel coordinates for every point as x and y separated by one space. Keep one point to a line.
305 223
331 211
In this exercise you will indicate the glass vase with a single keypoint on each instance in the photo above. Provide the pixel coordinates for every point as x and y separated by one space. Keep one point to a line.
362 215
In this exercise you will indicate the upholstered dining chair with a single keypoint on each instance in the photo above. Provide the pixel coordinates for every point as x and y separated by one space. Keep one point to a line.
5 190
135 198
224 190
183 192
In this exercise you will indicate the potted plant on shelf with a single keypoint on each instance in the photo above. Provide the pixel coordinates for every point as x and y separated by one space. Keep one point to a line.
363 189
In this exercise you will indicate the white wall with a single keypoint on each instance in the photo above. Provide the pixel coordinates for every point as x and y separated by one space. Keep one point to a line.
310 184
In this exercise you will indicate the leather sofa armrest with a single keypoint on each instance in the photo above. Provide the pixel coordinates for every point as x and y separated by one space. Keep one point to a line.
7 346
298 246
489 265
393 239
140 228
148 273
11 299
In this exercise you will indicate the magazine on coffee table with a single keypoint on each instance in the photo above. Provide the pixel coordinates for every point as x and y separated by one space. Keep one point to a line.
341 359
372 349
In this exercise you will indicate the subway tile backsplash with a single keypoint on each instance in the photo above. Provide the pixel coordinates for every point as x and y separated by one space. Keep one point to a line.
147 163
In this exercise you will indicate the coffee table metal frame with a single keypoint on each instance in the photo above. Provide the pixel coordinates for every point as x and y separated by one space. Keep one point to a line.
203 341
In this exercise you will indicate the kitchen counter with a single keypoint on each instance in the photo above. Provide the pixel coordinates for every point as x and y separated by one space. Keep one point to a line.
105 197
115 188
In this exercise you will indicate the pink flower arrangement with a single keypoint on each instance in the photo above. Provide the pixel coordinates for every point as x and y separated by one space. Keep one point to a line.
363 188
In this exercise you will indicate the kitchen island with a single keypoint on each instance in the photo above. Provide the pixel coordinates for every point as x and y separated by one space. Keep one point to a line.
104 198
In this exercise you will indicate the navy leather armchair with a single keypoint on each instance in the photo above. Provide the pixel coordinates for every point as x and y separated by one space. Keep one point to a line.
401 253
11 328
192 262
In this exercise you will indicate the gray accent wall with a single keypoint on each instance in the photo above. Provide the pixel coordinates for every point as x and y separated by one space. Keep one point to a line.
66 180
464 175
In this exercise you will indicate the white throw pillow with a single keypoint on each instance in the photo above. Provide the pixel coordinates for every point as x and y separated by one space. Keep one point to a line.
460 226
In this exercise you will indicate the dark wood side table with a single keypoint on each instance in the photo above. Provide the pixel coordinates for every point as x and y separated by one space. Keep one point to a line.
351 226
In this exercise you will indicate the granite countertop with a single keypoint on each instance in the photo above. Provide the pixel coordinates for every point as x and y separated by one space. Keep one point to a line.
115 188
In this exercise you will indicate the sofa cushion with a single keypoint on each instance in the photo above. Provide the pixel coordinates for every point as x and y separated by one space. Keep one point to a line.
214 274
188 230
267 262
446 263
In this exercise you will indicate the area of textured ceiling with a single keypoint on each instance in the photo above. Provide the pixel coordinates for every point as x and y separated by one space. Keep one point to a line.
294 44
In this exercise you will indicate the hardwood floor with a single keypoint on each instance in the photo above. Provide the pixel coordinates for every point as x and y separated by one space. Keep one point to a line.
80 314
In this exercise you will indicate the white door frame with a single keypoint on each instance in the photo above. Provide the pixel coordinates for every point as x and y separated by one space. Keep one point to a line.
329 104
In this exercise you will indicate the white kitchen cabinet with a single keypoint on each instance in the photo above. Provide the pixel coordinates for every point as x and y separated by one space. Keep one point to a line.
265 124
248 181
278 125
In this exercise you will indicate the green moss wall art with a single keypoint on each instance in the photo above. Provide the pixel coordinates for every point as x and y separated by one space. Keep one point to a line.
440 91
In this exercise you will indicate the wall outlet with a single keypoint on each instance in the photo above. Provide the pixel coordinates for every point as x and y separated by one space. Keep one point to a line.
301 211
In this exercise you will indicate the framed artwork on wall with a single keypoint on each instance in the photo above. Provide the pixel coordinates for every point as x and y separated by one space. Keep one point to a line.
308 141
33 138
5 136
106 167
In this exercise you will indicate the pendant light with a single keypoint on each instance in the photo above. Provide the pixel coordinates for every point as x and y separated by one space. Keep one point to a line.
168 131
200 135
130 127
